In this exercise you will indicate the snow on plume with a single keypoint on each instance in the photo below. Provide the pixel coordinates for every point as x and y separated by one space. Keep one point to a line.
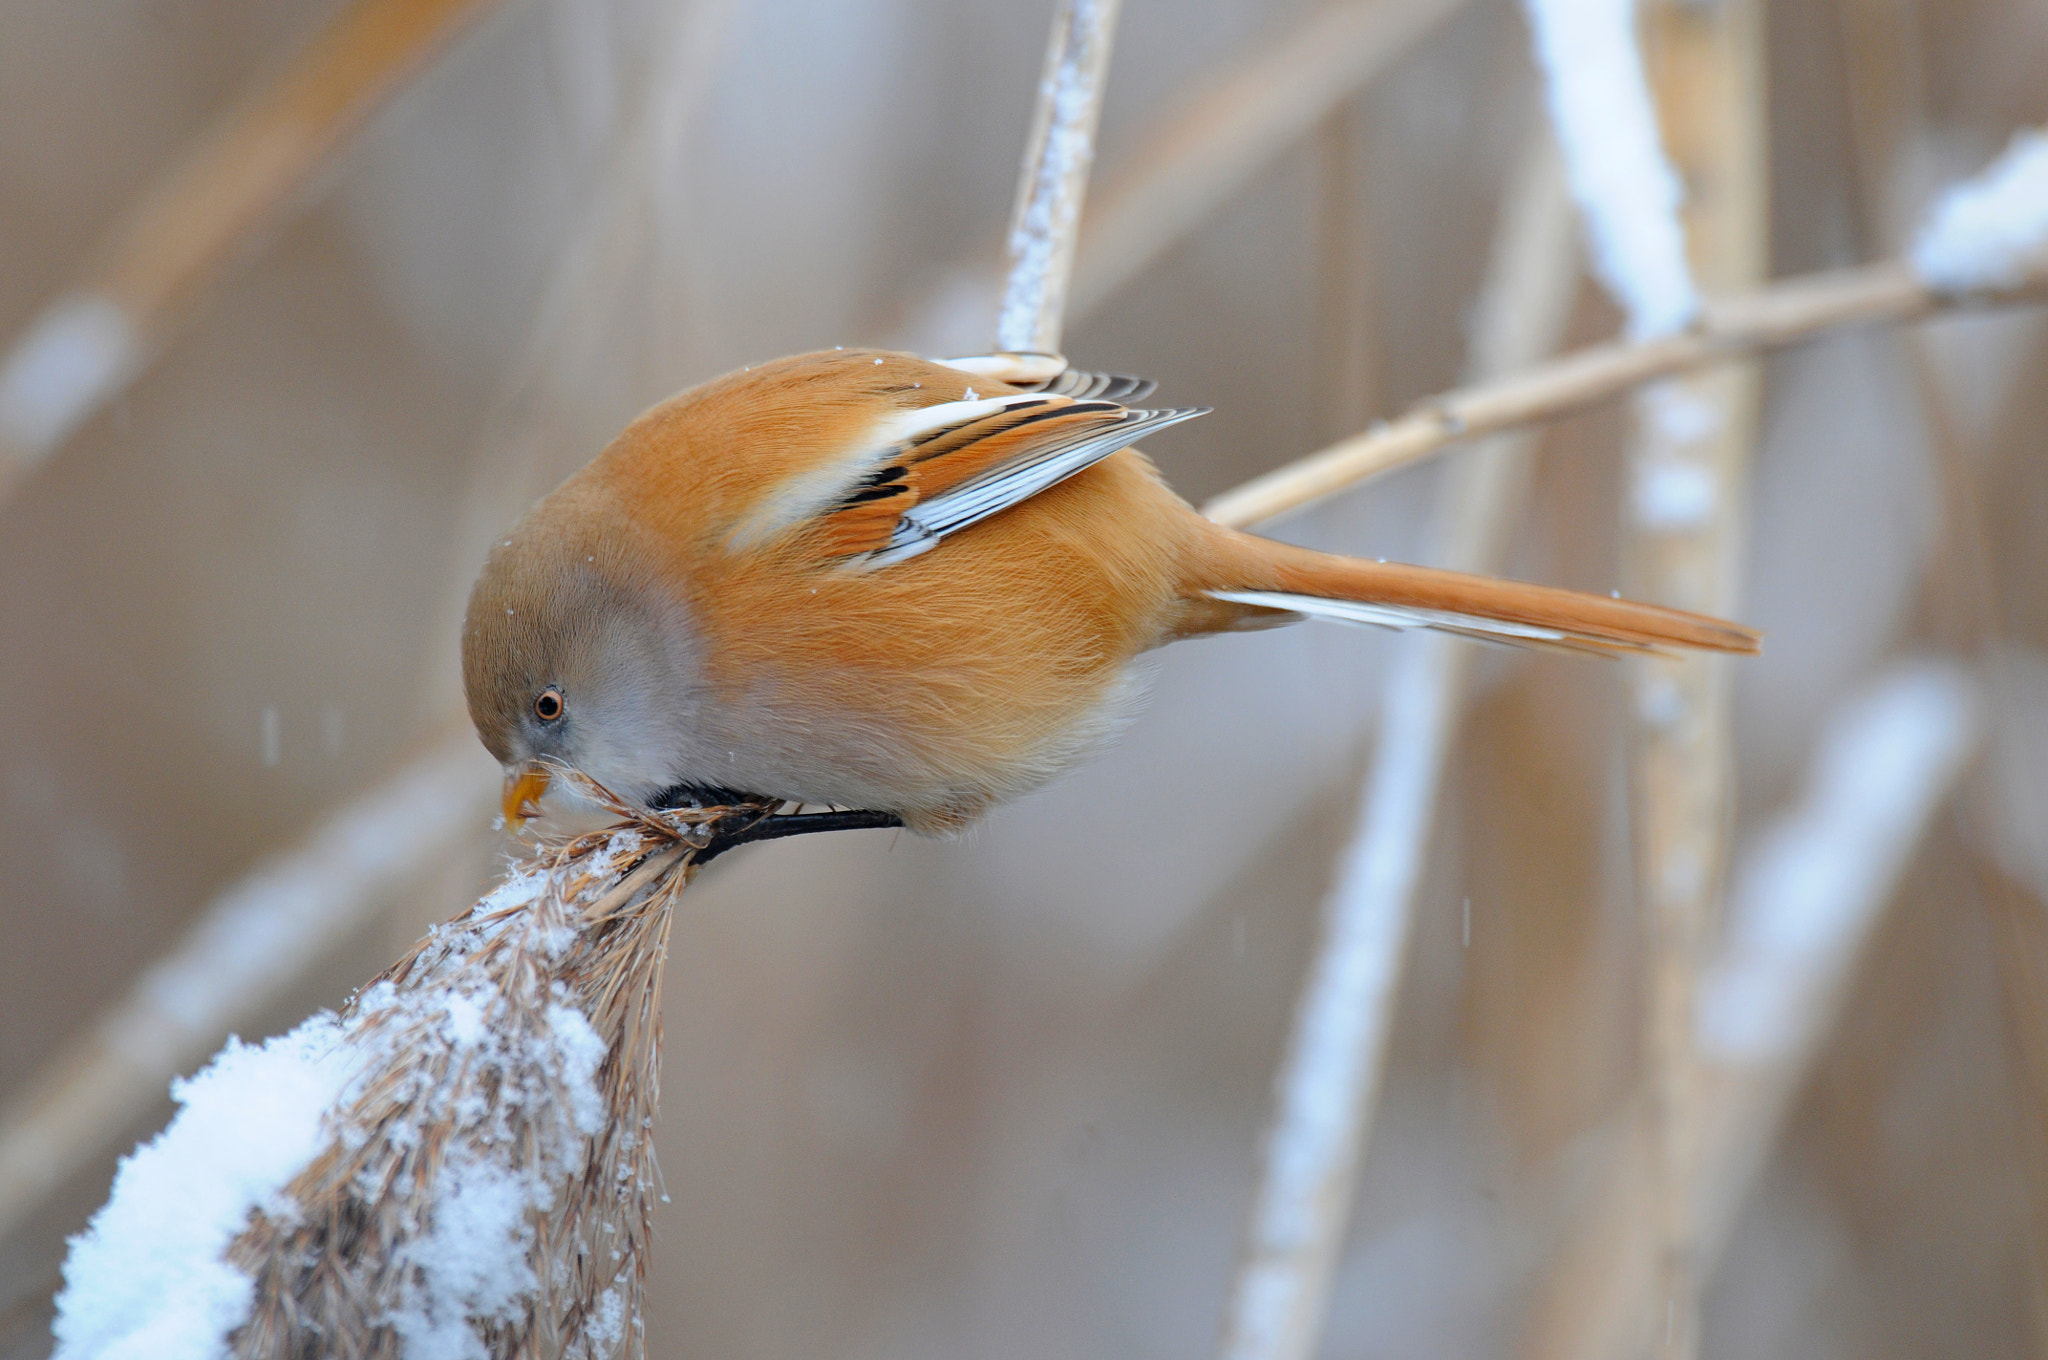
1990 230
146 1279
496 1072
1627 192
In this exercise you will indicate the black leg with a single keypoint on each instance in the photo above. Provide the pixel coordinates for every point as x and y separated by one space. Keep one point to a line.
738 830
794 824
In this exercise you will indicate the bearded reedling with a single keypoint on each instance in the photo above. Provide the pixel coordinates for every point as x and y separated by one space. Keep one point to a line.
873 581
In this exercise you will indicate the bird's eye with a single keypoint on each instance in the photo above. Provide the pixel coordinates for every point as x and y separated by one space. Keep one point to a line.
548 706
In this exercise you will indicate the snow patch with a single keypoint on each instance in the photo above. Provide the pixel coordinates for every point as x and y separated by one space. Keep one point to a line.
146 1279
1990 230
505 1086
75 355
1627 192
1041 239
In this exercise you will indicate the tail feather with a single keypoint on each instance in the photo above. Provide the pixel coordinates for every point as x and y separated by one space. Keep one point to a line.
1267 575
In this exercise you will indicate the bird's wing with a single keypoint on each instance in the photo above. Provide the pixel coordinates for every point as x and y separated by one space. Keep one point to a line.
954 464
1122 387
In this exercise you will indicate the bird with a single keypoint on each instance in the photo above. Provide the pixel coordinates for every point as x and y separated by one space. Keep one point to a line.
910 588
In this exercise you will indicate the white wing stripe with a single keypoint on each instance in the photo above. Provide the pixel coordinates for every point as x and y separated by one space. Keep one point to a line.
1024 370
907 427
999 488
814 490
1398 616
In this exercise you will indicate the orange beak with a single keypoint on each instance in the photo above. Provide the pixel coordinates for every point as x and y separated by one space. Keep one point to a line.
523 789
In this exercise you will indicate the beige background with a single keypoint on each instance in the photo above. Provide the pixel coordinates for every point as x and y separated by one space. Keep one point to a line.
1000 1097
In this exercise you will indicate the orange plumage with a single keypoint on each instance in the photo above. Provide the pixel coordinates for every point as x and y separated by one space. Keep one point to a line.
871 580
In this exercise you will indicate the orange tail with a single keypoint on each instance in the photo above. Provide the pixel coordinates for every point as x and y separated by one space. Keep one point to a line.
1265 575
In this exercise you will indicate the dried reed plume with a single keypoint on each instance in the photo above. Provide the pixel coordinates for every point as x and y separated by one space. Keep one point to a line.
485 1178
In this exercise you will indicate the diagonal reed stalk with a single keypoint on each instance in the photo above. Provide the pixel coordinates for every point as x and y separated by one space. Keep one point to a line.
1789 312
229 187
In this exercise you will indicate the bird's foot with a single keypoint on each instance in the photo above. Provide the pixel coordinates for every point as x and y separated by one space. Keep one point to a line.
794 824
743 829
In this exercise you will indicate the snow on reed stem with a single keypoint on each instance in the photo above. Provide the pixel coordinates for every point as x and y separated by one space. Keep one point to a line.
1808 888
219 196
1057 158
459 1164
1684 530
1226 123
1989 231
1626 190
242 953
1789 312
1326 1088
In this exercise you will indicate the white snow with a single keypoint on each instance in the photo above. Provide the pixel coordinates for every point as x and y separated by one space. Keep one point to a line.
471 1263
516 1098
1807 892
1671 494
1041 244
145 1280
73 357
1990 230
1628 194
500 1169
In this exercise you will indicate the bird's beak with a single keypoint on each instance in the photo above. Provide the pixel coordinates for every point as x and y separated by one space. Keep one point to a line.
523 788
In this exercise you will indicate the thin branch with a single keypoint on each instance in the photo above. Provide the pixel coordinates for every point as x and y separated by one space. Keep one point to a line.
1054 182
229 186
1786 313
1328 1082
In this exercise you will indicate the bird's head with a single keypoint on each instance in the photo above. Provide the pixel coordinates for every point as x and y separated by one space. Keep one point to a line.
570 657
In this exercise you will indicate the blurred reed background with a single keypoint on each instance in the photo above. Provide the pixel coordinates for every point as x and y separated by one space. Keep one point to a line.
1004 1096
